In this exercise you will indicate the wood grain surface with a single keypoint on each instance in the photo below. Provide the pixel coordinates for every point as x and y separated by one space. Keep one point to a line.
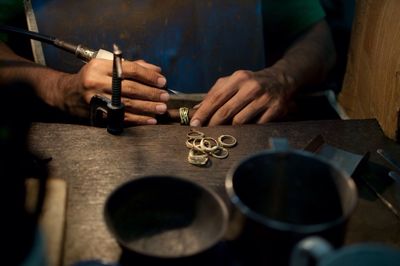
94 163
371 86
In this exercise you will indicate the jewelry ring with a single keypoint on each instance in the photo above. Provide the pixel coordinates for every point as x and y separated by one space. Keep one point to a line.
195 134
189 143
208 144
220 153
227 141
197 157
184 115
196 145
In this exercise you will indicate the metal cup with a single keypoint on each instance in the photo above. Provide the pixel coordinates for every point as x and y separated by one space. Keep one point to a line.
281 196
315 249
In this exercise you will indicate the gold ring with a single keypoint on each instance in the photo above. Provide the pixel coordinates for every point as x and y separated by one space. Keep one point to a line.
184 114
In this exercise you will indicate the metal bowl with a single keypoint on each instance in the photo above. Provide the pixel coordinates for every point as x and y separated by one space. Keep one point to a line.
165 217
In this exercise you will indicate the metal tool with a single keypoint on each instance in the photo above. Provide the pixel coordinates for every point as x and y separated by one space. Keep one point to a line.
395 176
110 113
80 51
349 162
393 162
383 199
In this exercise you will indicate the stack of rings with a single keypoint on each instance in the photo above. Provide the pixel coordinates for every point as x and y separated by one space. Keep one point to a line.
184 115
201 147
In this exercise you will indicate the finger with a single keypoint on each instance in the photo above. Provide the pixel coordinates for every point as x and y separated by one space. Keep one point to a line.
245 95
148 65
197 106
135 119
144 107
273 112
132 89
252 110
141 91
134 110
220 93
135 71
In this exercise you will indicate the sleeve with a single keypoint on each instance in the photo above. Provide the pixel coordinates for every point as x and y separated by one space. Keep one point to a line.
290 17
9 11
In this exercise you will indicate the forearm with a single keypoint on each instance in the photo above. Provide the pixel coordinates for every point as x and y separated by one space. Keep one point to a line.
45 81
309 59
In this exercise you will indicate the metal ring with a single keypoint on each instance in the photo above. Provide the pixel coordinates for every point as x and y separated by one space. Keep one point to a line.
197 146
208 147
220 153
195 134
189 143
197 157
184 115
197 153
232 141
198 161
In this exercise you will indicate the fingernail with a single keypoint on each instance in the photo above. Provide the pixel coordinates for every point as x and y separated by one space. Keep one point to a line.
151 121
161 81
161 108
197 106
195 123
164 97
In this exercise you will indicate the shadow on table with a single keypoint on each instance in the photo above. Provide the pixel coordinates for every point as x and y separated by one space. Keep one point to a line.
219 255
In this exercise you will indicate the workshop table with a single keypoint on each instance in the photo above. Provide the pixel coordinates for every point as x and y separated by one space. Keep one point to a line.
94 163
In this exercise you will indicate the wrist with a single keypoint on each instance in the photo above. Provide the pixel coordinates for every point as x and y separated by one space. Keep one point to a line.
68 95
282 71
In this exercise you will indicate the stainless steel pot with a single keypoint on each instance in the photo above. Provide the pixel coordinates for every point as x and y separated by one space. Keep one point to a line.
281 196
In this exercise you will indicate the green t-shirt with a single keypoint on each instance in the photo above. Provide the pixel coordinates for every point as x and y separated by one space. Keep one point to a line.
290 17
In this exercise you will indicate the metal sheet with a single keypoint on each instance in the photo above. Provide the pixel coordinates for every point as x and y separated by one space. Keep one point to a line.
345 160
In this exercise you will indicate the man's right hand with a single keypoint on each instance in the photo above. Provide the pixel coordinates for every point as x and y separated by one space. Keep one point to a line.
142 92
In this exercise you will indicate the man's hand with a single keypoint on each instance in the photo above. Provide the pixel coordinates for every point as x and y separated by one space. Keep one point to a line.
246 97
263 96
141 89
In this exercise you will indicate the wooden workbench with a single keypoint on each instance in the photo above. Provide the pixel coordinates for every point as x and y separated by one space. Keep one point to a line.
94 162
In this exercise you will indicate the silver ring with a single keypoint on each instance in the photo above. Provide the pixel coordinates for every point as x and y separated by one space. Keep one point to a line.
206 144
220 153
197 146
195 134
189 143
229 142
197 157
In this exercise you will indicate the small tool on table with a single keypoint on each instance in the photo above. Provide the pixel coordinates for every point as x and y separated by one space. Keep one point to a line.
349 162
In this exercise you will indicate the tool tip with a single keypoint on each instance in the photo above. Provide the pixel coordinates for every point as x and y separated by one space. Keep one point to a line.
116 49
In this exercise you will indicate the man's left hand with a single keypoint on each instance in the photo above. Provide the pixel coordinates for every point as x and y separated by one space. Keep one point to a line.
245 97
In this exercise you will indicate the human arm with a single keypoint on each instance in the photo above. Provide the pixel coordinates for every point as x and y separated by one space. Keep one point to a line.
262 96
141 91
